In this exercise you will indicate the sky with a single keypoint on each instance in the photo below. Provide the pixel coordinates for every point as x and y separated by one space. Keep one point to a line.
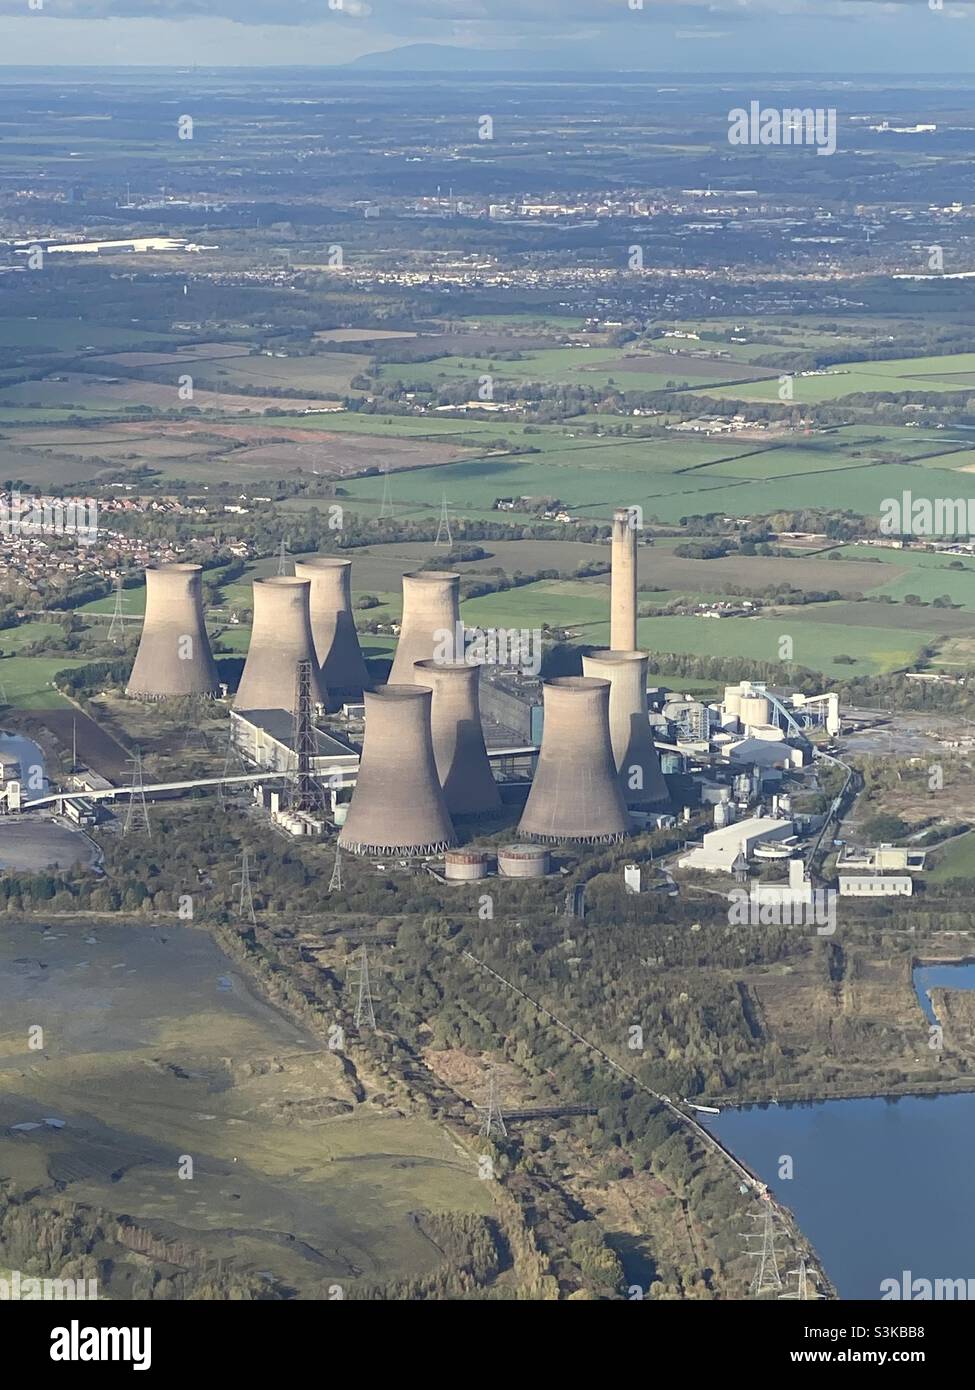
773 36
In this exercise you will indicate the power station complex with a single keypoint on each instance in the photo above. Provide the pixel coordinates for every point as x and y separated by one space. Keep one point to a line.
450 745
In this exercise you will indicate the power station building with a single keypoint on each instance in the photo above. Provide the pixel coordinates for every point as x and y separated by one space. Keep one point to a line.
174 656
575 793
462 763
637 762
431 610
398 806
281 636
342 669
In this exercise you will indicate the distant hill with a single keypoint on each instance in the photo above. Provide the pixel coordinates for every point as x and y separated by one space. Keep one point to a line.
442 57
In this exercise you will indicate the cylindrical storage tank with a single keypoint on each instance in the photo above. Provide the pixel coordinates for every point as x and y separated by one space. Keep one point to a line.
755 709
575 792
464 865
341 813
462 762
397 806
524 861
430 625
280 638
342 668
641 780
174 656
623 582
732 699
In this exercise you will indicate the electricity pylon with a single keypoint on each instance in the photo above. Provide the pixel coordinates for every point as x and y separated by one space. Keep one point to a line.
386 506
245 903
365 1014
493 1123
767 1276
283 559
116 628
335 882
443 529
136 813
304 790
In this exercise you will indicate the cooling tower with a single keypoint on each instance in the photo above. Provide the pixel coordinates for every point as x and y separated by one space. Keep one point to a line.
174 655
575 793
465 774
622 617
430 607
397 806
280 638
343 671
641 780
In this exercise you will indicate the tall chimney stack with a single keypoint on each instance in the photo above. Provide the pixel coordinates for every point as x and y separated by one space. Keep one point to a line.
641 781
397 806
462 762
280 638
431 605
575 792
341 667
622 619
174 656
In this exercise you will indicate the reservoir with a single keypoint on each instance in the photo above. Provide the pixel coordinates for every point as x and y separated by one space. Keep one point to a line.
879 1186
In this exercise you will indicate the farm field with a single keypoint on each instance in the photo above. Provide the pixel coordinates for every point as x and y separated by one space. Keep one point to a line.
78 392
816 641
952 373
37 335
588 366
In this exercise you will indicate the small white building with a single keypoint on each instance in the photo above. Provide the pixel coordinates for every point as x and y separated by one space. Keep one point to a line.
876 885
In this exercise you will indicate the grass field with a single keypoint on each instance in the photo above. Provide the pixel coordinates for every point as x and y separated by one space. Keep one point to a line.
906 374
956 860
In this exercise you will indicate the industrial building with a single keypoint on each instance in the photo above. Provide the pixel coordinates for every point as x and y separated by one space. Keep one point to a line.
430 620
461 758
575 793
342 669
398 806
281 637
875 885
174 656
641 780
720 848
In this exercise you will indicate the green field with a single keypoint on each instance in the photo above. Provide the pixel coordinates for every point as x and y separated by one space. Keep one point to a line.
907 374
956 860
